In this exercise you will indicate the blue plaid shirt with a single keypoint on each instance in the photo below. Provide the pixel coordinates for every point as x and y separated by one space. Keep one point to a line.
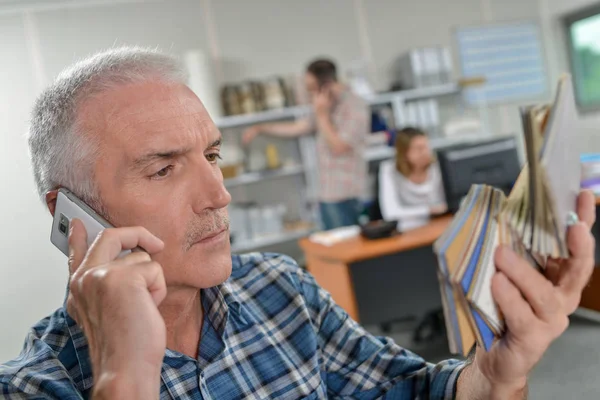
269 332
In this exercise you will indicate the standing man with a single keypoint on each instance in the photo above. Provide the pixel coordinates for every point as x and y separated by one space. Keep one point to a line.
341 121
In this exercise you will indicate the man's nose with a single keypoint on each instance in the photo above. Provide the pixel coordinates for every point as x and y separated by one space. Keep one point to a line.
210 191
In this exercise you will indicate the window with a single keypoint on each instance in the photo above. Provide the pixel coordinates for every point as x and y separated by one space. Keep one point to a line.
509 56
583 31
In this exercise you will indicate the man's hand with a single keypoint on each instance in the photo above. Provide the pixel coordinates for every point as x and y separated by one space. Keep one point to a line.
323 102
250 134
536 307
114 300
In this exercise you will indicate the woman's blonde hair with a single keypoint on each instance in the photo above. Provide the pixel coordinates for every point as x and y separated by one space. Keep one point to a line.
404 138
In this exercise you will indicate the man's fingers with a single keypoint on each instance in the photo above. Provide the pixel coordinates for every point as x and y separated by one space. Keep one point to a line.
518 315
552 271
537 290
246 138
110 242
77 244
586 207
579 267
135 257
154 278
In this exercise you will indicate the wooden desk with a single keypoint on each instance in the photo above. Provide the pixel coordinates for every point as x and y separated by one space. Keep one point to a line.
330 265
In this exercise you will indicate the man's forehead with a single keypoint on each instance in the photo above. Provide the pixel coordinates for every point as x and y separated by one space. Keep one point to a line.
143 103
160 120
149 114
147 104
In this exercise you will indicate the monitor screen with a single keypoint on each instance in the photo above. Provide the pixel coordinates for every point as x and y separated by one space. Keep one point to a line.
492 162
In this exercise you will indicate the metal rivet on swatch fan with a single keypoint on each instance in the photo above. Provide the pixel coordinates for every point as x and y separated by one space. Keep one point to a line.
572 218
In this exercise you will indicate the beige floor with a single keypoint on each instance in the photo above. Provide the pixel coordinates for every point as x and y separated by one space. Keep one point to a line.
570 369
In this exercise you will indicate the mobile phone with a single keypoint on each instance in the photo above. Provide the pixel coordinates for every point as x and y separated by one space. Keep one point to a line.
69 206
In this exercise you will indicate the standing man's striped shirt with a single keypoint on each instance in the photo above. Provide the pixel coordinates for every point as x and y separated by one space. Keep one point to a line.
269 332
344 176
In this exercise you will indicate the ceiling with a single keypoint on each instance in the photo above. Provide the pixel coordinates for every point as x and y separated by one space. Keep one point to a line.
19 6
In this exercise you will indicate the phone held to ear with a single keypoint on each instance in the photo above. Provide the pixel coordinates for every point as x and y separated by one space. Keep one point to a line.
69 206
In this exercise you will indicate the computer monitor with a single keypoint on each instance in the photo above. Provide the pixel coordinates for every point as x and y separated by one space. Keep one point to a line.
492 162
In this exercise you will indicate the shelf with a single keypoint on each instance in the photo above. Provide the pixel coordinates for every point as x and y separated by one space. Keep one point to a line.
414 94
378 153
270 240
235 121
383 152
252 177
436 143
434 91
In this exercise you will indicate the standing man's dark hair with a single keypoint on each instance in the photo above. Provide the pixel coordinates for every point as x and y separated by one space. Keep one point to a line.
324 70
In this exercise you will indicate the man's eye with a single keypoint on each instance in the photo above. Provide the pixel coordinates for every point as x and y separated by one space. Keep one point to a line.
213 157
163 173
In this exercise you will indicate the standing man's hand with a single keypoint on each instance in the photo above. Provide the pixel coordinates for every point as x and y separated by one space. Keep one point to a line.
536 307
250 134
115 301
323 101
322 104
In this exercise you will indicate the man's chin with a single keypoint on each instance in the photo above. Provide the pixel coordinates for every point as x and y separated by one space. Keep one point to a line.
209 271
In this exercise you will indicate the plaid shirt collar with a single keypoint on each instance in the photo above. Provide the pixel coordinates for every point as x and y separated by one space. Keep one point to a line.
218 303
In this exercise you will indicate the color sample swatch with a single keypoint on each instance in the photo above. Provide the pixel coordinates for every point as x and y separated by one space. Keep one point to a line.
532 220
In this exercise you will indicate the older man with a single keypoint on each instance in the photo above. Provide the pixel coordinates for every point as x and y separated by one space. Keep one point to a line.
185 319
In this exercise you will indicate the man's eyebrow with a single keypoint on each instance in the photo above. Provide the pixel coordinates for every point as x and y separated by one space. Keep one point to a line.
216 143
150 157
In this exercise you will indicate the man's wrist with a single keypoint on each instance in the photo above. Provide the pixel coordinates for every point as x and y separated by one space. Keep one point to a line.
322 114
474 385
131 383
516 390
324 122
111 386
508 391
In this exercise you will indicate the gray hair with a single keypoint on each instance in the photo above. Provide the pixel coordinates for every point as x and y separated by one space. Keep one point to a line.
59 154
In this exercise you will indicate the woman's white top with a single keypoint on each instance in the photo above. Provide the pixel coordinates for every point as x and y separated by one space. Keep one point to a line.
405 201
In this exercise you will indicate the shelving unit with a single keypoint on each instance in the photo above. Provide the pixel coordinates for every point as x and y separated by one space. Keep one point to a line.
379 99
380 153
396 100
271 240
236 121
413 94
252 177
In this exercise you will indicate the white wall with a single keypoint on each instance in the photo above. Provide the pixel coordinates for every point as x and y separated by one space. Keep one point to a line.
66 35
260 38
397 26
31 276
252 40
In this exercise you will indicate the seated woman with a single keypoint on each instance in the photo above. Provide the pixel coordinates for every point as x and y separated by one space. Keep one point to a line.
410 187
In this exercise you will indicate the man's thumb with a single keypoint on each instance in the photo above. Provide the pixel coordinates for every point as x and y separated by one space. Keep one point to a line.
77 245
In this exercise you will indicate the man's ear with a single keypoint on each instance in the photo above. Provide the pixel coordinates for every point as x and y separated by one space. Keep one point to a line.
51 200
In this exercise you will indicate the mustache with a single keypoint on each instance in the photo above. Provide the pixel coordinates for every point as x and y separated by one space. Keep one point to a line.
210 223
